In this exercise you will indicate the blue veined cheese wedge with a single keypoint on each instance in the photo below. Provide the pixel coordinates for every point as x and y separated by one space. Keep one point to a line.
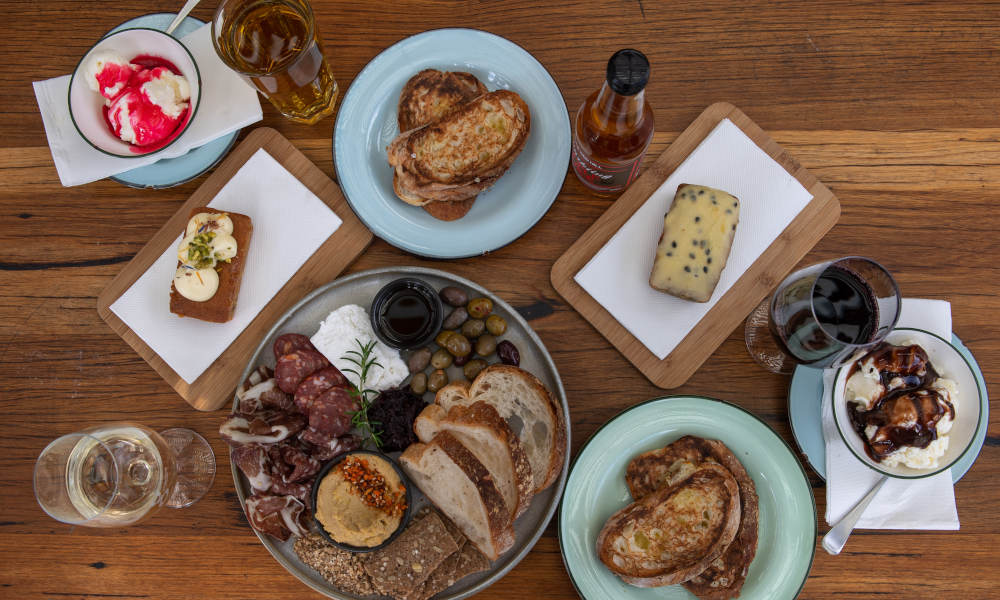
697 236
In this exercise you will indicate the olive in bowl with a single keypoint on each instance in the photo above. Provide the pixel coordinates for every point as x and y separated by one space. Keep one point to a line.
362 500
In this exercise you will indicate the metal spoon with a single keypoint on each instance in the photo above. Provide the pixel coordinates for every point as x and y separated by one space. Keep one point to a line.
834 540
190 4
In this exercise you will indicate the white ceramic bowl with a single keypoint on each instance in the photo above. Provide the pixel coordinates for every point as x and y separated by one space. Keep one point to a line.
949 363
86 105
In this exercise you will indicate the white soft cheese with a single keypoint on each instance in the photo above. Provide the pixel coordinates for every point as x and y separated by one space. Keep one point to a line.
340 332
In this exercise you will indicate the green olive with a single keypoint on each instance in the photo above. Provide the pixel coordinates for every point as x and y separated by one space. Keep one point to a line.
441 359
473 367
458 345
443 337
473 328
437 380
418 385
496 324
485 345
480 307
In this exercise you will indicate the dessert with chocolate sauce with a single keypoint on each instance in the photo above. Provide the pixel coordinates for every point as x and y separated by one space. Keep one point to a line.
903 409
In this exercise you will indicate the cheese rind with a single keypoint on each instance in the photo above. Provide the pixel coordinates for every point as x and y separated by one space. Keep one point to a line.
697 236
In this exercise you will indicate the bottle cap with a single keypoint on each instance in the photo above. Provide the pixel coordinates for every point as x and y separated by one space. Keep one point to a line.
628 72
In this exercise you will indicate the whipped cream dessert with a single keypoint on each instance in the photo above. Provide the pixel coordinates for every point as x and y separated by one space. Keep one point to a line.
145 100
903 409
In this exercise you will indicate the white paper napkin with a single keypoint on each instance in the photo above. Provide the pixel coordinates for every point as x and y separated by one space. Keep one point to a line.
289 224
901 504
618 275
228 103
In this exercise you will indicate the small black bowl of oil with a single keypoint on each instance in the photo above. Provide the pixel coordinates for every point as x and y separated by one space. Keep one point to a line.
406 313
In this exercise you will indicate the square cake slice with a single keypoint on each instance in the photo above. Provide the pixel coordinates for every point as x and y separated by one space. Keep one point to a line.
697 236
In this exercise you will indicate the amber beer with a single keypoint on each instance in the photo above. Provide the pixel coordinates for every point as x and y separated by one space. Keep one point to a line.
276 45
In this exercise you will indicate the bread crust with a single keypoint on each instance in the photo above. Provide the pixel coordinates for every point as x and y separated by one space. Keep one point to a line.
220 307
718 499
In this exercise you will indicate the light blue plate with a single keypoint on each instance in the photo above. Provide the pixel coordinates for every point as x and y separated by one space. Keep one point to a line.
366 124
596 489
805 401
174 171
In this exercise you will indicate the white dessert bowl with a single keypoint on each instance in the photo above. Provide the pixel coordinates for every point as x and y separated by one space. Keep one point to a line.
86 107
949 364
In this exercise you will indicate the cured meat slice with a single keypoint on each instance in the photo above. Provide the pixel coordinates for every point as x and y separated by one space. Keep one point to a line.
253 460
295 366
290 342
324 447
278 516
301 464
317 383
264 427
263 395
298 489
330 413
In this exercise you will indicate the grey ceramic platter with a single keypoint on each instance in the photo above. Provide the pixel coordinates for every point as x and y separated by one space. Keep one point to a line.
360 288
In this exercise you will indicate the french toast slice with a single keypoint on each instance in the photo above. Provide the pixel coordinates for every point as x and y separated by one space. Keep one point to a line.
432 94
724 577
674 533
480 139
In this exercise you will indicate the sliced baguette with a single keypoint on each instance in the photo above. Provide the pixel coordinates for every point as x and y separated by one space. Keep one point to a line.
483 431
519 395
461 487
674 533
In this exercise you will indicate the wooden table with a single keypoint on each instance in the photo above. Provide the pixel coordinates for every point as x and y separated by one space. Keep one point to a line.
892 105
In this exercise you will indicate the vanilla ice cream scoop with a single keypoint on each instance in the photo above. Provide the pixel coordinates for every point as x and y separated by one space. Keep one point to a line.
107 73
149 106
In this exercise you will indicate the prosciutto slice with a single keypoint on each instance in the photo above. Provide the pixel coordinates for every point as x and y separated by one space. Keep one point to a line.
263 427
253 460
278 516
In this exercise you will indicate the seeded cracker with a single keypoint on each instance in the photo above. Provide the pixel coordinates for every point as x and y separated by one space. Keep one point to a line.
466 561
341 568
402 566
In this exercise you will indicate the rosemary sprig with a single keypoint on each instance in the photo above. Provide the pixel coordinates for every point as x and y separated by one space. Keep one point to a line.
363 360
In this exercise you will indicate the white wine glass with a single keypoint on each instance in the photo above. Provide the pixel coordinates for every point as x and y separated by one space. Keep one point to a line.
118 474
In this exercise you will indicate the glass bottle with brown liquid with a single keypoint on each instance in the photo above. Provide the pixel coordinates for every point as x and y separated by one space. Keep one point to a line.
614 126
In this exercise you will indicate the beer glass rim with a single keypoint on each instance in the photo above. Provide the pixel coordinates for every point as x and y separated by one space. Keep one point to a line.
310 21
895 288
47 449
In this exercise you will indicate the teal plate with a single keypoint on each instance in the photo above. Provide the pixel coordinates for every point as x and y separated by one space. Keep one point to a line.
596 489
366 124
805 402
174 171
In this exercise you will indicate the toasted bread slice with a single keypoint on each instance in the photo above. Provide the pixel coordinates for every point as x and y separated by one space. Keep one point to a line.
674 533
519 397
481 429
478 140
460 486
220 307
431 95
649 471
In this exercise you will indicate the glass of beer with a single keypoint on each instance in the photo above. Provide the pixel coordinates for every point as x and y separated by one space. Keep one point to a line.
276 45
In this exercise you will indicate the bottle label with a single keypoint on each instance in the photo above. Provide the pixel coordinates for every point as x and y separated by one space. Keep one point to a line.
602 176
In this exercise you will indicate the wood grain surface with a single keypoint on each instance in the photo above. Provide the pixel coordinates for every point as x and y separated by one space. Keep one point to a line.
214 388
775 262
893 105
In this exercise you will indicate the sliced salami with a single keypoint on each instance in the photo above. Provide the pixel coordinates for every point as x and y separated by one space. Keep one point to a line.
330 412
295 366
317 383
290 342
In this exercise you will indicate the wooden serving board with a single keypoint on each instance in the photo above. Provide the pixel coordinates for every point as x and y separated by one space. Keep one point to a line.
216 385
817 218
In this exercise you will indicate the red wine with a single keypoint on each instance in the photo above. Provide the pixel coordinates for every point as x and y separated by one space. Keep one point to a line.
819 320
845 306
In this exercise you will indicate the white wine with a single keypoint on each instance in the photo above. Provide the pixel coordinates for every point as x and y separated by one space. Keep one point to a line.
122 495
